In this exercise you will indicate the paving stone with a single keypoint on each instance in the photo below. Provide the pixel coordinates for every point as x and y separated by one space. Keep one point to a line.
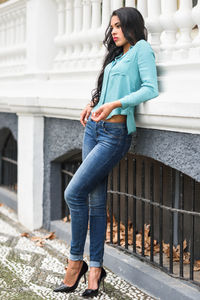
28 271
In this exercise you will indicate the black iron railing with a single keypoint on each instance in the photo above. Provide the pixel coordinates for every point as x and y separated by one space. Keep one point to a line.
154 214
8 164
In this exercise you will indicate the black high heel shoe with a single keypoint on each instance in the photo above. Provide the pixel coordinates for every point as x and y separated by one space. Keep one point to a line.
93 293
63 288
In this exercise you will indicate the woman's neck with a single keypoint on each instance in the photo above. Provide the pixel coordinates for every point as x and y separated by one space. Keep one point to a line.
126 47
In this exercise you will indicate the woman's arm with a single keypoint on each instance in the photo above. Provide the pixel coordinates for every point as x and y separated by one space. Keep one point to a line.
148 77
149 86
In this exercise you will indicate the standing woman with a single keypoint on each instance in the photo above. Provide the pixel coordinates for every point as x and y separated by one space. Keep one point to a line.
128 77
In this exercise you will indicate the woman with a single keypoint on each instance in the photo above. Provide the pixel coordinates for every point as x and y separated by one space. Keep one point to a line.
128 77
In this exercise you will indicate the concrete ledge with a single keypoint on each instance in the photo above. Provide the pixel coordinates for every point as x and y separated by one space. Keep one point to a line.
138 273
9 198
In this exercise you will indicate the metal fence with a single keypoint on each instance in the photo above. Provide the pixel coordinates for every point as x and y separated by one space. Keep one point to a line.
154 214
8 164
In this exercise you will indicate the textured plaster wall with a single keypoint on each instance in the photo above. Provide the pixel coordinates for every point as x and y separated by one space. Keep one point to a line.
62 137
180 151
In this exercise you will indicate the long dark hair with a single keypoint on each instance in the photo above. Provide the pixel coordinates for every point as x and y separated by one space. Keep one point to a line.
133 28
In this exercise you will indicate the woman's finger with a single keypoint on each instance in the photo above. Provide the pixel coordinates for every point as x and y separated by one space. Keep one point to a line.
82 118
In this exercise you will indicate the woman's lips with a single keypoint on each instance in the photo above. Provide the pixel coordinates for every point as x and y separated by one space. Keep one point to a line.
115 39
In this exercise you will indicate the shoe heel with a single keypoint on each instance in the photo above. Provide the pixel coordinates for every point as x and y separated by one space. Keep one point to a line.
85 278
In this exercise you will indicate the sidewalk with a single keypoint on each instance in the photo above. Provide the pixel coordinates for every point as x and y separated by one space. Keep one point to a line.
31 266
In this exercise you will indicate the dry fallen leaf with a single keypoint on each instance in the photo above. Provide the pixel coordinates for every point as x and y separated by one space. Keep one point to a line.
40 243
50 236
25 234
147 242
36 239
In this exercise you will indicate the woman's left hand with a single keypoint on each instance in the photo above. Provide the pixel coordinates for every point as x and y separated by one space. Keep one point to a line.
102 112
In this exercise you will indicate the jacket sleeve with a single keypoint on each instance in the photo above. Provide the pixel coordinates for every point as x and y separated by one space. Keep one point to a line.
148 77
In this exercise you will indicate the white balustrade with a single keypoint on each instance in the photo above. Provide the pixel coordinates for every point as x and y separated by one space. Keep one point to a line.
12 37
82 24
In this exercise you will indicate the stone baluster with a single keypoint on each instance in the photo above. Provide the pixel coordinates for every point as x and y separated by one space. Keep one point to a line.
195 51
61 17
77 15
12 29
184 21
153 23
168 40
14 16
77 29
21 27
68 17
105 13
95 27
130 3
116 4
5 18
24 27
96 14
1 32
23 34
68 31
9 24
86 14
18 27
142 7
61 29
86 26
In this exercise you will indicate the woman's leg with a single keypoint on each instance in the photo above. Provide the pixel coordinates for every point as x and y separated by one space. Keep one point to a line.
79 206
98 220
93 170
75 265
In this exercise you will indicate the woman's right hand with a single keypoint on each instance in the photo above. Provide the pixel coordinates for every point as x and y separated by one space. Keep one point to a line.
85 114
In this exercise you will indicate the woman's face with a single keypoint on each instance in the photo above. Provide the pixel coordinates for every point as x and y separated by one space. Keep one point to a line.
117 33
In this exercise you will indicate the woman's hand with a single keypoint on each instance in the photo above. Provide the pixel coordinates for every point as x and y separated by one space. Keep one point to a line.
85 114
103 111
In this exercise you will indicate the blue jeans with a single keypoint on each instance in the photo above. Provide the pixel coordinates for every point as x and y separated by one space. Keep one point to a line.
104 144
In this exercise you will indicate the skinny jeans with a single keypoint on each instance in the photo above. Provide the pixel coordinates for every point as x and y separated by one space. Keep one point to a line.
104 144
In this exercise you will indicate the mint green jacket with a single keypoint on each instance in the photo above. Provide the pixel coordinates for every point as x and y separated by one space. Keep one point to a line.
130 78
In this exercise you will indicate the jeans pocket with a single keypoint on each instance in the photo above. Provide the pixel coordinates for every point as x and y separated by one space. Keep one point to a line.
115 132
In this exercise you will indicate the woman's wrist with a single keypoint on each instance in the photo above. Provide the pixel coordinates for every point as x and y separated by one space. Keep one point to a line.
115 104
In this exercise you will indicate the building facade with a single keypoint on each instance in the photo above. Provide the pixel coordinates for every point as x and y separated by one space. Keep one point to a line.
50 55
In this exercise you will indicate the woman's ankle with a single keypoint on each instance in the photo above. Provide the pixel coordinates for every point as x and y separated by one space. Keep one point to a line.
72 271
93 277
75 264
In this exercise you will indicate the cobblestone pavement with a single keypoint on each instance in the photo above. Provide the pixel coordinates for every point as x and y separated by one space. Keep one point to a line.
30 272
